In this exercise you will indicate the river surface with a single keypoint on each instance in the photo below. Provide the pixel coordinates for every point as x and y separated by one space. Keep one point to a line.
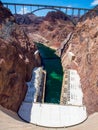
53 67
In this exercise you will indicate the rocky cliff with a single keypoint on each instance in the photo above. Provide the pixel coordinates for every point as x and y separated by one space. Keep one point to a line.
83 44
51 29
17 52
57 26
17 60
28 19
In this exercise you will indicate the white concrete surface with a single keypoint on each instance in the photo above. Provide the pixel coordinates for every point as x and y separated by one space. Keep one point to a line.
71 56
11 121
37 51
51 115
75 91
34 85
71 93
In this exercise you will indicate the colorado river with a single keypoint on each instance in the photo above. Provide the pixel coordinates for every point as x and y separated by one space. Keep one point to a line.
53 67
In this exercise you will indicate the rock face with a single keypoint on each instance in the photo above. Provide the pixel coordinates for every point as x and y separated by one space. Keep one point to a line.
51 29
79 51
84 46
17 60
28 18
56 27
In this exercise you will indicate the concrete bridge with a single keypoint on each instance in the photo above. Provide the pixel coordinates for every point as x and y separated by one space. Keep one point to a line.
71 12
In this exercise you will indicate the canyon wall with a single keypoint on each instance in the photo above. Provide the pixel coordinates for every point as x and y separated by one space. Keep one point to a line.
50 30
80 52
17 59
17 52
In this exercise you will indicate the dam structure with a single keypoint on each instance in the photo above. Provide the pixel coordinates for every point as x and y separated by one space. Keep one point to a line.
71 110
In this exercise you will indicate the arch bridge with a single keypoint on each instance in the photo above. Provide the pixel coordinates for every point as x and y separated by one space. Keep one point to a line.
69 11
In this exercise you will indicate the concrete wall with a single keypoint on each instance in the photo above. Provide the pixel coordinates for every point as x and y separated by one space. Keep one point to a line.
51 115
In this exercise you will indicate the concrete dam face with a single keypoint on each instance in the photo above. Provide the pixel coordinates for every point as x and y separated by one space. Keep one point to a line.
64 110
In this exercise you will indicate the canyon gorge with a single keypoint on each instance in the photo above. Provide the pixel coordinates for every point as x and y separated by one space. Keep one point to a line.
18 34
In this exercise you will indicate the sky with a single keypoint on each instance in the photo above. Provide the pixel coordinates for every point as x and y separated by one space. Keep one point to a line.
71 3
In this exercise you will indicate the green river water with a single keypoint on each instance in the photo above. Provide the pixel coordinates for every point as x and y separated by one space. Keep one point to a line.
53 67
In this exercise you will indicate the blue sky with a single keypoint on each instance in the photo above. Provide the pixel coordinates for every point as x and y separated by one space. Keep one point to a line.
71 3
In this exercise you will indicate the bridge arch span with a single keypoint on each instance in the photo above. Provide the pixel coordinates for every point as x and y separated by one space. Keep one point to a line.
55 9
50 8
